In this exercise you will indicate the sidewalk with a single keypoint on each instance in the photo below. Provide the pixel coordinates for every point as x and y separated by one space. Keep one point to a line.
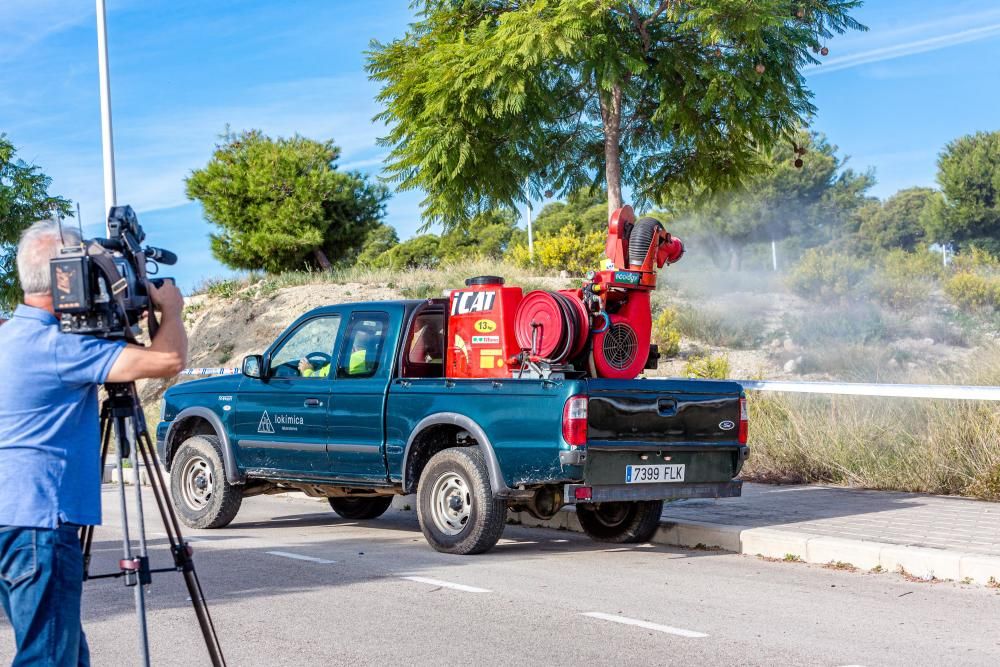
921 535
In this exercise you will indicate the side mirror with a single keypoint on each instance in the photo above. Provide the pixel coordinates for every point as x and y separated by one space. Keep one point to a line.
253 366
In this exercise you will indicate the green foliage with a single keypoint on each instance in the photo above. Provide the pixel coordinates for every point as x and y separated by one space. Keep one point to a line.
662 98
281 204
971 290
665 333
734 330
419 252
24 198
584 211
905 279
899 222
823 274
969 176
381 239
566 250
489 235
814 203
714 366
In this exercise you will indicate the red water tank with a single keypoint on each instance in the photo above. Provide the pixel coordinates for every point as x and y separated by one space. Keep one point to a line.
481 338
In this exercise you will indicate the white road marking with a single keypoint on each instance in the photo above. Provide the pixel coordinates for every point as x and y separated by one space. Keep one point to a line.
285 554
447 584
681 632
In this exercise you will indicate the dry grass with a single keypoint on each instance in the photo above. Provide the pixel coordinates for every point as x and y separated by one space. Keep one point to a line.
948 447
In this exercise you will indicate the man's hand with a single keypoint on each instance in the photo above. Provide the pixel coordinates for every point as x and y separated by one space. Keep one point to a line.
167 299
167 354
304 365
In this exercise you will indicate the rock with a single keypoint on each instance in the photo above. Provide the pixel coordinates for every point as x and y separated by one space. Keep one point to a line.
911 365
792 365
564 274
788 344
893 363
928 341
776 344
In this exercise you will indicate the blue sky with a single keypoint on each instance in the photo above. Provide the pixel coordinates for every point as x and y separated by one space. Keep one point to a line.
181 71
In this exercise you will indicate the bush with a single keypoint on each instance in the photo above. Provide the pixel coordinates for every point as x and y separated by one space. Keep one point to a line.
905 278
971 290
853 323
709 367
736 331
665 333
823 274
566 250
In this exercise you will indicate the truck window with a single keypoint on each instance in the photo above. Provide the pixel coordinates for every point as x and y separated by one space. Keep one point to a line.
423 356
362 351
308 352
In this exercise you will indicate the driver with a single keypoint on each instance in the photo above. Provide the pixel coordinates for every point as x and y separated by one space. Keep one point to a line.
308 370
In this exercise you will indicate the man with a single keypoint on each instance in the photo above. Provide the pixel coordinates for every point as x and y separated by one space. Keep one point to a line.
50 477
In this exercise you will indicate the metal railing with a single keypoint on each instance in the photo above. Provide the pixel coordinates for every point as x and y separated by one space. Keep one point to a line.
941 391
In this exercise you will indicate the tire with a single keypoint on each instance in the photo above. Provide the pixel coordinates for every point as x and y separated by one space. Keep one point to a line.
621 523
198 487
361 509
455 505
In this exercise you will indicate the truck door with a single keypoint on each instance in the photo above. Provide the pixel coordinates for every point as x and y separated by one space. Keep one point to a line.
281 420
355 441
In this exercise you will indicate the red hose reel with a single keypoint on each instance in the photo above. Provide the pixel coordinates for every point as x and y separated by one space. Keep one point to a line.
603 328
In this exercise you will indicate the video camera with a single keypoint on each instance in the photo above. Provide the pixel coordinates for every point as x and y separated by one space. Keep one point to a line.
99 286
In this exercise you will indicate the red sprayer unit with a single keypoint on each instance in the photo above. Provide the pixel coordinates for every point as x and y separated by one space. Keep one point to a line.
602 329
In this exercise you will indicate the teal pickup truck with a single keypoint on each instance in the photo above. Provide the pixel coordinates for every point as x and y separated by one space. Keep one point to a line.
351 403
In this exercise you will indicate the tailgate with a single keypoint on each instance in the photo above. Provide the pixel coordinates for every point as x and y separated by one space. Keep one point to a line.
687 428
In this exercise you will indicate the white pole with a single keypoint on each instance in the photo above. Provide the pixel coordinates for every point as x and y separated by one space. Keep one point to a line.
774 254
531 239
107 136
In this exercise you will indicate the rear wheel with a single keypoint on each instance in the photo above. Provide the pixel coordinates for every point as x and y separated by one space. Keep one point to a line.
361 509
198 486
622 523
455 505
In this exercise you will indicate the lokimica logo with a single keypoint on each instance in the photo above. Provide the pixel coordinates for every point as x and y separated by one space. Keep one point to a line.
463 303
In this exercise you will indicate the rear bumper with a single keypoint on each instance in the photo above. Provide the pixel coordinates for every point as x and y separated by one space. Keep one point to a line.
668 491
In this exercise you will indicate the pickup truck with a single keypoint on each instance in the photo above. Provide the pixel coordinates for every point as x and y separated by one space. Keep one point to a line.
351 403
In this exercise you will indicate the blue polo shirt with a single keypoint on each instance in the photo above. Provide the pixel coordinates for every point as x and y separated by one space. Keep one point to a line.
49 432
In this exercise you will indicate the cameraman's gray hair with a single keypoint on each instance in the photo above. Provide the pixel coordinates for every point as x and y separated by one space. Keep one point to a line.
39 243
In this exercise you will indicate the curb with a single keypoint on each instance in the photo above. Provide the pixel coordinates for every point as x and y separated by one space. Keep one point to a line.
915 561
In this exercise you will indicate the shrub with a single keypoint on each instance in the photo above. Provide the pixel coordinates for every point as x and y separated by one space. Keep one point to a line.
971 290
852 323
566 250
741 331
824 274
974 259
665 333
905 278
709 367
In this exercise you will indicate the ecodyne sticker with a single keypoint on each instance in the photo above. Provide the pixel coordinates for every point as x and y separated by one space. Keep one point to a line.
486 340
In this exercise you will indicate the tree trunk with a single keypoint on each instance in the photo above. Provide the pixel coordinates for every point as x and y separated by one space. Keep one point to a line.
321 259
611 117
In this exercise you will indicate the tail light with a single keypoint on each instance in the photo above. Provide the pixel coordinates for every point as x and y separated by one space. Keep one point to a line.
574 424
744 421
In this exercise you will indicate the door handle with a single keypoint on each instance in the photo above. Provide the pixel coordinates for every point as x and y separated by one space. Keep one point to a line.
313 403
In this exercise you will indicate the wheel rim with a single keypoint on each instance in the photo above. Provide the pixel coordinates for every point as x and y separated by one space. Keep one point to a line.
451 503
612 515
197 483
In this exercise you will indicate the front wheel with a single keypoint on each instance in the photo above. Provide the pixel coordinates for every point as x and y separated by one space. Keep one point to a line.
455 505
621 523
198 486
360 509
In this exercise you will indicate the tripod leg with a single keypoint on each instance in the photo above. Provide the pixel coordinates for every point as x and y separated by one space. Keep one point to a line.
182 553
142 560
87 532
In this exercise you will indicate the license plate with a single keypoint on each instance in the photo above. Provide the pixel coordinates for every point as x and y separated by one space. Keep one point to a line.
669 472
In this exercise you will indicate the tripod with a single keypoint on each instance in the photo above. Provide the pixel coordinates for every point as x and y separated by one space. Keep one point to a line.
122 412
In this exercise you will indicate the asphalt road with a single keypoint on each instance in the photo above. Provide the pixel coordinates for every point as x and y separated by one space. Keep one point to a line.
375 593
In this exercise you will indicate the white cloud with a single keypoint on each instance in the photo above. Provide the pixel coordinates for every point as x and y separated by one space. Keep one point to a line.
913 39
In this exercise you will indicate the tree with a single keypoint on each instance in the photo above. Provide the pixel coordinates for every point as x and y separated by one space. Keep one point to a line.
969 176
814 202
898 222
663 96
584 210
488 236
381 239
419 252
281 204
24 198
